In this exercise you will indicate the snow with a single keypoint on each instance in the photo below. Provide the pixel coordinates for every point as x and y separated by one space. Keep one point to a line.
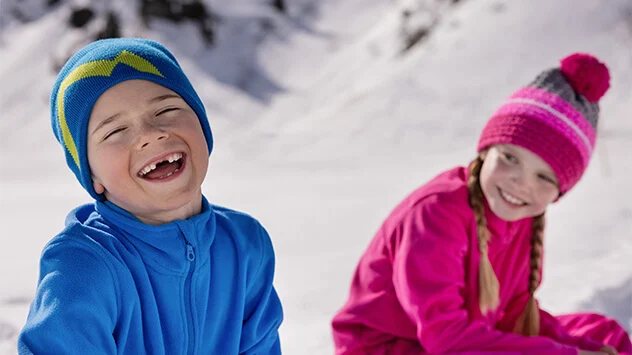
324 123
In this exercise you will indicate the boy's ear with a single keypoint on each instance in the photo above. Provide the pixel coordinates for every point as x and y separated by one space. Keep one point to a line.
97 186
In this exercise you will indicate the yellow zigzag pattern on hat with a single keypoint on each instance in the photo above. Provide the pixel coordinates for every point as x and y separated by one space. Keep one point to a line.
95 68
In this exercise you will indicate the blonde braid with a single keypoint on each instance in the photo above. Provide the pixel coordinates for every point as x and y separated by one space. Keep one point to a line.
489 287
528 323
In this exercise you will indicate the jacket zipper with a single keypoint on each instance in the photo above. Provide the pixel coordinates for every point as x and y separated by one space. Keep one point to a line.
187 297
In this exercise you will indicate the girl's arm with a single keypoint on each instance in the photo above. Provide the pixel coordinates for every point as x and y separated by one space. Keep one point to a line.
549 325
429 279
75 305
263 314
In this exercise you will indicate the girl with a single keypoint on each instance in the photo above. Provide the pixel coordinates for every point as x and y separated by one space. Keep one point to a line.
454 268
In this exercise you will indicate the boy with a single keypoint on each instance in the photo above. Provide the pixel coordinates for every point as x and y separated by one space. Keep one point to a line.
151 266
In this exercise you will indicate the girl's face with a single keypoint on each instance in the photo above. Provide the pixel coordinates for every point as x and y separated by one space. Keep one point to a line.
517 183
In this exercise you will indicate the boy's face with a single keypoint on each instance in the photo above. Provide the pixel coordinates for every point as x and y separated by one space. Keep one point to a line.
517 183
147 151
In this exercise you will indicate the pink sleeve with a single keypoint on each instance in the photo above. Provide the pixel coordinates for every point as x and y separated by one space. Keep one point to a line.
428 276
550 327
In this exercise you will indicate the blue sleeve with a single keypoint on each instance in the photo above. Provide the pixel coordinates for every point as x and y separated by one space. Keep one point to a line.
263 314
75 305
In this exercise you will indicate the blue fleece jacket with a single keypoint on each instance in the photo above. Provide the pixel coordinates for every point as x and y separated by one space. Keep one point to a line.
111 284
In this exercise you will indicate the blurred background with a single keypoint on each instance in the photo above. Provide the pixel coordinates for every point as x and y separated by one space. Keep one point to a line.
326 114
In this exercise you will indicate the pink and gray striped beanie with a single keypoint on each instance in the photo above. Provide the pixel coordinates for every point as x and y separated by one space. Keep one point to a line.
554 117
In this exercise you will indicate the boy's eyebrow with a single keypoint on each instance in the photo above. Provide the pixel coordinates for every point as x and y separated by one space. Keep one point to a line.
164 97
105 122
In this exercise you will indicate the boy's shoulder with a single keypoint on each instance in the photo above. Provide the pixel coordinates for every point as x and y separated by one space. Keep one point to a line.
84 229
239 218
242 226
76 247
84 223
75 225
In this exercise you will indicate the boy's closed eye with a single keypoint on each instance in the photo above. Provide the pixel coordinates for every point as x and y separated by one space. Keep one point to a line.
167 110
113 132
121 129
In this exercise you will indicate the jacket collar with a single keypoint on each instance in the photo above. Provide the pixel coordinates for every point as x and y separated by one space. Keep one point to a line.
164 246
501 230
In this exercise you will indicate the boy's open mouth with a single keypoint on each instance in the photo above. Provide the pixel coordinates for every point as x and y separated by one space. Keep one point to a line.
163 168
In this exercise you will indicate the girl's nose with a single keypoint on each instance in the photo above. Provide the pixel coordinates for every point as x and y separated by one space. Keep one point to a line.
521 183
519 179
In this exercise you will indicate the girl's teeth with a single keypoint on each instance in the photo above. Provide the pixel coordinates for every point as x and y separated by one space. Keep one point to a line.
511 199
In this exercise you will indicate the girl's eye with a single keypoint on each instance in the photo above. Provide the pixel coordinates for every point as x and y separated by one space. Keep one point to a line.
547 179
510 158
121 129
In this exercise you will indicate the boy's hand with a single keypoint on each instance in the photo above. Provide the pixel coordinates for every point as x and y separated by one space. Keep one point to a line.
607 349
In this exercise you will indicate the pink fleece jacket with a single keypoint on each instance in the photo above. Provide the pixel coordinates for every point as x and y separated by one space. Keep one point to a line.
415 290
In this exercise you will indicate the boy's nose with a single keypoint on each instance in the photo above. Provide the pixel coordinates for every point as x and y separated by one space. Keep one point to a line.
149 135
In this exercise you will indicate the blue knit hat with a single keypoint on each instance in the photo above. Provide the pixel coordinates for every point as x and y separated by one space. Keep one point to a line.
96 68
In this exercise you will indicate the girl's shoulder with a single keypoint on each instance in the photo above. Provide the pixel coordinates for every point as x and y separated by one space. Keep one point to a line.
445 194
452 182
449 188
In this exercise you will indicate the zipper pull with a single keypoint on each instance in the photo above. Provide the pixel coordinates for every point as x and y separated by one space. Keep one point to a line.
190 252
